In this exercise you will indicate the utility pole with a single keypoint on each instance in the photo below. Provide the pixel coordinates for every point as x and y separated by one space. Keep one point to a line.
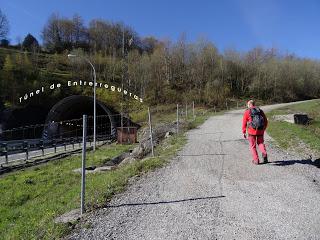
83 169
122 83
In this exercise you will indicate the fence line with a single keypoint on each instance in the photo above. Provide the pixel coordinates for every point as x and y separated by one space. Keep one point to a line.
26 150
39 130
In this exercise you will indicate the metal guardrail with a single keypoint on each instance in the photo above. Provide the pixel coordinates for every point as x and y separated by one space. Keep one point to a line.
27 146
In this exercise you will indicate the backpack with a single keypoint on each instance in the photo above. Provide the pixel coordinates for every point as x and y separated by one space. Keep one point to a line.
257 120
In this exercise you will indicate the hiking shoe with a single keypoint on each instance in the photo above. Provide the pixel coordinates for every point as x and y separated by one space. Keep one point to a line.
265 159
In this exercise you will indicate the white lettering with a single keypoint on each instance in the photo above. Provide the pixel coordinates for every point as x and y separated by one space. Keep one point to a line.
80 83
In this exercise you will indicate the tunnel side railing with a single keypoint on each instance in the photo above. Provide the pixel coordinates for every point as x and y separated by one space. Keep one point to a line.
17 150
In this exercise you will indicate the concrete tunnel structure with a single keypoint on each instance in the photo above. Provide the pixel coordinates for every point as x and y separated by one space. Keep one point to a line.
64 119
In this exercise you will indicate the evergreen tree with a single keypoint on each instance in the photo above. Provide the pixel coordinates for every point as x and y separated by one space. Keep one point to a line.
4 43
30 43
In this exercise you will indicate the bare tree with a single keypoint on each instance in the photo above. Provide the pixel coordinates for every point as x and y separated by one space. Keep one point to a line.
4 25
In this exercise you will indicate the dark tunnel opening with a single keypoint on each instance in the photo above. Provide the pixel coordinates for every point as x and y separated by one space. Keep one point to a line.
64 120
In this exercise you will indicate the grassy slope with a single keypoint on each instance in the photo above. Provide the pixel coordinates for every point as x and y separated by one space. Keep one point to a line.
290 135
32 198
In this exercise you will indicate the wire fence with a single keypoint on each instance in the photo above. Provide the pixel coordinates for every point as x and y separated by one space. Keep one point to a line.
40 140
59 129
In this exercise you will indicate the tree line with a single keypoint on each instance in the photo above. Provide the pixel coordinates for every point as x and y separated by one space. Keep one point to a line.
161 71
110 38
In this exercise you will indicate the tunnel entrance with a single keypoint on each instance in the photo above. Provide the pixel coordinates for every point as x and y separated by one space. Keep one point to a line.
64 120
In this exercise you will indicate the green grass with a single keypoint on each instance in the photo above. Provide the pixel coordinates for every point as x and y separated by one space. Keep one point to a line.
289 135
32 198
168 113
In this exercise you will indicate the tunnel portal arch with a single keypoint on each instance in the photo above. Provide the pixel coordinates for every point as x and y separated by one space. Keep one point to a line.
74 107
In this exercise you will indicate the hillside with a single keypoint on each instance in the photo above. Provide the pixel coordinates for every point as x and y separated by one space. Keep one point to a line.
175 73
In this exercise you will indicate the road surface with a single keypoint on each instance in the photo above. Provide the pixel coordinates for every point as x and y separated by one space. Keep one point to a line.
211 190
47 151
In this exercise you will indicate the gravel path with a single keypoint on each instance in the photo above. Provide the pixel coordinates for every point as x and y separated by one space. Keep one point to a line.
211 190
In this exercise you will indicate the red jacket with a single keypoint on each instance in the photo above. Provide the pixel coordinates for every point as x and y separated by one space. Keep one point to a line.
247 119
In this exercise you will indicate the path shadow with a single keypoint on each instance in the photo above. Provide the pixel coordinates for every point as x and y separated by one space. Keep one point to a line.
207 133
303 161
200 155
163 202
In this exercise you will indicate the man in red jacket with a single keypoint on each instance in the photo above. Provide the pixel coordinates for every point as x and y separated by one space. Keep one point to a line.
257 123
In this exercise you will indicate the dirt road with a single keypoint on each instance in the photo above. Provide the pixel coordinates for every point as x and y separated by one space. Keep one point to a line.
213 191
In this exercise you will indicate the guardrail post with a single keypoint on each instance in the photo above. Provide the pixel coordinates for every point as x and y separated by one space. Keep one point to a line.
64 144
54 146
42 147
72 141
26 148
83 169
5 151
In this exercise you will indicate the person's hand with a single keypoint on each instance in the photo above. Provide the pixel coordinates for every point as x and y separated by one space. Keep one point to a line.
244 136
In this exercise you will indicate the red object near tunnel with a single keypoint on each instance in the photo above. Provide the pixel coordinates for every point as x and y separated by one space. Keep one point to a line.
126 135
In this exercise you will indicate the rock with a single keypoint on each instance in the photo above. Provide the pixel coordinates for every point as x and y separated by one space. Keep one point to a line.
301 119
96 169
160 132
137 152
79 170
286 118
127 161
91 168
104 169
118 159
298 118
168 134
69 217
